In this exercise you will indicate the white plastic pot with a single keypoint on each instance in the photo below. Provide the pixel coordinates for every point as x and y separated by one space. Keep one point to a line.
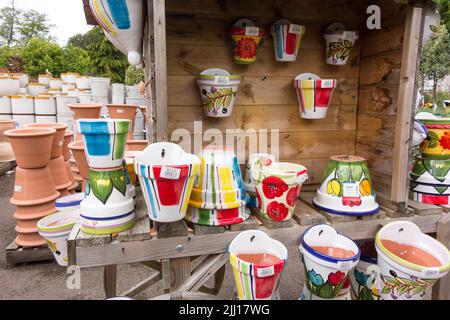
9 85
67 87
83 82
67 120
44 105
118 89
54 83
69 77
118 99
36 89
23 104
62 110
5 105
133 91
44 79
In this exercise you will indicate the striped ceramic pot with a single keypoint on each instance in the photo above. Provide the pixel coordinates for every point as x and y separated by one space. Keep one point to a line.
287 37
255 281
246 38
166 175
314 95
217 217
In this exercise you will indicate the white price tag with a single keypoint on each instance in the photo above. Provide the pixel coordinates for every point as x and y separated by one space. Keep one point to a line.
350 189
429 272
251 31
17 188
265 272
345 265
348 35
221 80
170 173
60 143
120 111
295 28
327 84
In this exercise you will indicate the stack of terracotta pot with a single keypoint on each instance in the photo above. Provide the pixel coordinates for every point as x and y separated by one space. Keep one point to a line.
6 152
78 153
34 190
124 111
66 155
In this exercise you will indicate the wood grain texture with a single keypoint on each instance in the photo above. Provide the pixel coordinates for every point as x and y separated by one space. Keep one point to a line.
377 155
376 128
380 100
382 69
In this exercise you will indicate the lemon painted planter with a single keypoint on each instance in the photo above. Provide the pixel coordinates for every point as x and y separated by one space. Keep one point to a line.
246 38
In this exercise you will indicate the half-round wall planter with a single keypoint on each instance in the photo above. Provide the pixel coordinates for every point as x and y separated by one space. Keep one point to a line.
339 43
246 38
286 39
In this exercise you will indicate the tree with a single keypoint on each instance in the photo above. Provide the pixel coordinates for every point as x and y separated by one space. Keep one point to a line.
41 55
75 59
33 24
435 60
8 24
444 9
133 75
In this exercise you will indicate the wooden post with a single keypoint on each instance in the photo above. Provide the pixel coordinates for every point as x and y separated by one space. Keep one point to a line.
442 288
110 280
406 101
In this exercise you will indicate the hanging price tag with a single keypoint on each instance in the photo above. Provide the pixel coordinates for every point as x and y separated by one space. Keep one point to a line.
170 173
17 188
221 80
265 272
345 265
350 189
295 28
327 84
251 31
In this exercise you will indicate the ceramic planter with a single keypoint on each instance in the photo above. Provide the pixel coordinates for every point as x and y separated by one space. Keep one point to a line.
30 240
69 77
123 24
136 145
84 111
44 105
58 138
428 198
403 278
6 151
277 188
35 89
346 188
434 189
100 88
32 146
83 82
246 38
62 108
68 137
339 43
256 281
437 143
257 160
59 174
104 141
286 39
420 132
109 226
78 153
9 86
218 90
5 105
314 95
217 217
308 295
23 104
431 22
328 258
123 111
166 175
70 202
54 83
363 278
56 228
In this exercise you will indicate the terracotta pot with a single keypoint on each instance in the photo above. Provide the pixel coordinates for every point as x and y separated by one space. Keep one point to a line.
32 146
58 138
59 174
33 186
28 226
6 125
77 149
6 151
69 171
68 136
246 38
84 111
123 111
30 240
34 211
136 145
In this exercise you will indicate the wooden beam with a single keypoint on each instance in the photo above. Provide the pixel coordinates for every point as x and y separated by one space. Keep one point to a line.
142 285
441 290
406 101
110 280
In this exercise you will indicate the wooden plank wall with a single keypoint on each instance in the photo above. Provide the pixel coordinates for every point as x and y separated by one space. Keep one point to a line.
381 53
197 39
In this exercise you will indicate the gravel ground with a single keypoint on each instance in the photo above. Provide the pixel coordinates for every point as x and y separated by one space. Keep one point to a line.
47 280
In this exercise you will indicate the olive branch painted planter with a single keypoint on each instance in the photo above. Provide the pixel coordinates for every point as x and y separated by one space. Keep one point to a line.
339 43
346 187
246 38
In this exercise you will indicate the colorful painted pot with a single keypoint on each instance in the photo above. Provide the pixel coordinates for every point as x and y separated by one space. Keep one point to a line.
277 188
433 189
308 295
399 244
339 43
286 39
218 90
346 187
420 132
428 198
256 281
363 278
166 175
246 38
55 228
258 160
437 143
314 95
70 202
431 22
104 141
123 24
326 268
107 226
217 217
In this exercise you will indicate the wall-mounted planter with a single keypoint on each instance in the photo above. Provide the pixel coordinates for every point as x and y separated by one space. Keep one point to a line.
363 278
258 262
286 39
328 258
339 43
410 262
218 90
314 95
246 38
166 175
420 132
346 187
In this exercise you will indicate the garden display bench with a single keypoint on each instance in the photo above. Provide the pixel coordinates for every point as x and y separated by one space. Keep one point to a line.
171 249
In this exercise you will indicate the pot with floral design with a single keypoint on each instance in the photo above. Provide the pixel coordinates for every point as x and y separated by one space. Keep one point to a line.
55 229
437 143
218 89
257 160
409 261
258 262
166 176
346 187
287 37
328 258
339 43
314 95
278 188
420 133
363 278
246 38
308 295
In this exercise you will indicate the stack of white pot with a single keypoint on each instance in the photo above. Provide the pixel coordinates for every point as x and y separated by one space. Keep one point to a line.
22 107
118 93
45 109
100 89
83 89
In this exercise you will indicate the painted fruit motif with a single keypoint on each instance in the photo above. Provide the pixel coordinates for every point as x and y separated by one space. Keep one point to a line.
218 98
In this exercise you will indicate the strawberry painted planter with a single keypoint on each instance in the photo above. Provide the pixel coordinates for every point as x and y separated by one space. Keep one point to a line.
346 188
286 39
166 175
218 89
339 43
246 38
314 95
257 280
277 188
326 266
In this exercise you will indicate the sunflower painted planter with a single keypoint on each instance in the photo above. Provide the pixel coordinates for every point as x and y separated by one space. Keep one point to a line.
278 188
346 188
328 258
286 39
218 89
339 43
314 95
363 280
410 262
246 38
166 175
254 280
437 143
104 141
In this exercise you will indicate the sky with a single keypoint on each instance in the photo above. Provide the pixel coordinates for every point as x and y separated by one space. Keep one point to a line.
66 15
